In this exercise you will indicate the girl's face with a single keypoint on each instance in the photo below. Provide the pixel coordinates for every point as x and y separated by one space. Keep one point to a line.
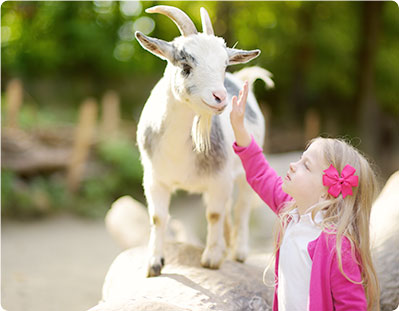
304 181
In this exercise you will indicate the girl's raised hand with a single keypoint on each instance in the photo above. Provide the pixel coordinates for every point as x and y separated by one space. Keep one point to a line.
237 117
238 112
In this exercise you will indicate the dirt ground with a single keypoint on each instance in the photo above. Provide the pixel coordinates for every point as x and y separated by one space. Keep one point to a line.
56 264
59 263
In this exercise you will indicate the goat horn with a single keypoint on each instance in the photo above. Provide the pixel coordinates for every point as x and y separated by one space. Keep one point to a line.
183 22
206 22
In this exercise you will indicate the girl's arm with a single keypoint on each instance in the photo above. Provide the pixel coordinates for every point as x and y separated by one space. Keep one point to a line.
346 294
262 178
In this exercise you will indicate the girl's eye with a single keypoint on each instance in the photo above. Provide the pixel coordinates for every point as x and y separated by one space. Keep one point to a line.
186 70
306 166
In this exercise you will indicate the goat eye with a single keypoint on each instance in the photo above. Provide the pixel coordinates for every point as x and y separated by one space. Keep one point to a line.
186 70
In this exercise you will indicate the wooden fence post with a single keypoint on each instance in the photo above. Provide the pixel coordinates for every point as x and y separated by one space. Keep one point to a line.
110 115
83 139
13 102
267 142
312 125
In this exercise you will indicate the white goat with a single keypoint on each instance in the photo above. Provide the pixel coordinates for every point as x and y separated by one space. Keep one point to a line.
185 138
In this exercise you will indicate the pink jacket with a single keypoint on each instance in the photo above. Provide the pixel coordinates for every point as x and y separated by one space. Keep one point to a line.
329 289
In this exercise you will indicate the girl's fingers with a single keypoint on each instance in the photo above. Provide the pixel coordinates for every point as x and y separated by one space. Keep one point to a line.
246 90
233 112
240 103
236 111
234 101
243 96
236 108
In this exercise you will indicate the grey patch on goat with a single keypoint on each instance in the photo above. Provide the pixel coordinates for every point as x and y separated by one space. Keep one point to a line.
183 55
190 89
214 161
151 139
233 89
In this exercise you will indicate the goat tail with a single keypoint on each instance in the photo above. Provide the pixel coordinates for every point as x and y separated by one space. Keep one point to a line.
253 73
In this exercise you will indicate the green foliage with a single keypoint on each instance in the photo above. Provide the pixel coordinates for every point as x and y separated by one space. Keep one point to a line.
66 51
124 157
387 63
37 197
118 172
316 43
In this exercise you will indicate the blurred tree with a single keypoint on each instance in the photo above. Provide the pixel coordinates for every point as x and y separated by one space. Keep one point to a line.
368 112
303 54
317 51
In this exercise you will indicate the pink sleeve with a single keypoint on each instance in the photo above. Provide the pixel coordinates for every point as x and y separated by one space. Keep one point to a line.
262 178
346 294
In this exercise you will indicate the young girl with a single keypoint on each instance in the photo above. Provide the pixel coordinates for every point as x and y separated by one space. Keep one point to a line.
323 259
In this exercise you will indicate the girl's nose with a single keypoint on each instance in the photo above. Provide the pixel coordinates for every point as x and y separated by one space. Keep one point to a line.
292 167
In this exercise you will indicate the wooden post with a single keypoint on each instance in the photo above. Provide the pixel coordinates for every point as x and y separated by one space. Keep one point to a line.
312 125
13 102
266 114
83 138
331 127
110 115
368 110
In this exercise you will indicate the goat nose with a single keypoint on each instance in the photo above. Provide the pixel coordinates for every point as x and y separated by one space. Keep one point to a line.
219 96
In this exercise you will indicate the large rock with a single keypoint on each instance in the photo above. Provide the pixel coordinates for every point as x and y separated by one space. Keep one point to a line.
184 284
385 242
128 223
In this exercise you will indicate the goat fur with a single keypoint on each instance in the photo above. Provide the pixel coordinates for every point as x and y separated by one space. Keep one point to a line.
185 140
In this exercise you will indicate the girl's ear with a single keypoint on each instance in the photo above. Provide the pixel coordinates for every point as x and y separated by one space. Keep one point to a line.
324 195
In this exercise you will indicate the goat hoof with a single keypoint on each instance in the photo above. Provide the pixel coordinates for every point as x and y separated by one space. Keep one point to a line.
154 271
212 258
155 268
209 265
240 256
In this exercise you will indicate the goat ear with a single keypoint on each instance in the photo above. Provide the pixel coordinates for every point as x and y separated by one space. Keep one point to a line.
158 47
240 56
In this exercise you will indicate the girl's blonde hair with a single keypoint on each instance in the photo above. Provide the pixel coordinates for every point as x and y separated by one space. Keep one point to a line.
349 217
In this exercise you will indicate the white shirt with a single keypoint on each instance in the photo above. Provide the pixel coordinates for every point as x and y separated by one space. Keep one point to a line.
295 264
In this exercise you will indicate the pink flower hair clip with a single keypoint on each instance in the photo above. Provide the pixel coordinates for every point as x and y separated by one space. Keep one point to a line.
340 184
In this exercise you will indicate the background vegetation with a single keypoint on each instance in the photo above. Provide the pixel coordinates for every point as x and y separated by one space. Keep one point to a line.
339 60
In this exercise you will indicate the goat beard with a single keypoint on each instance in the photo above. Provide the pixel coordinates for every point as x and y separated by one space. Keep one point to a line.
201 133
